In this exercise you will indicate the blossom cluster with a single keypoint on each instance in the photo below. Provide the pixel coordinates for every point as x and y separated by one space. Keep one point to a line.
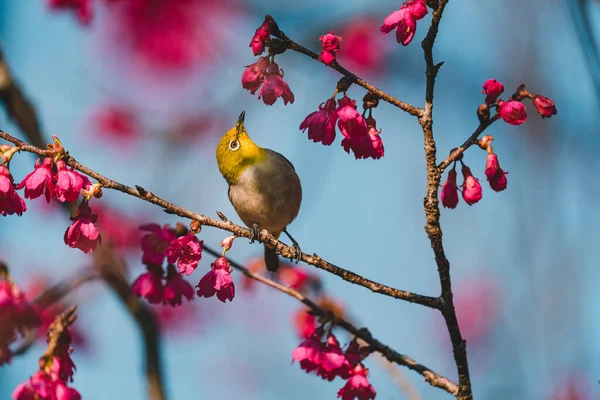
51 381
183 252
325 357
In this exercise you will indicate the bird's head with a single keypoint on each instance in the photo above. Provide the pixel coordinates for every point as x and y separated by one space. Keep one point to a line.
236 152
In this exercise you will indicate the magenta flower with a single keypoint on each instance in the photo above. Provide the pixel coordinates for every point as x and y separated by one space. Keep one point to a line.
176 288
39 181
304 323
492 89
495 175
155 243
367 145
66 393
316 123
353 353
38 387
471 187
62 368
512 112
349 121
275 87
310 352
187 251
449 195
261 35
405 21
331 45
149 285
544 106
10 201
83 234
217 281
358 386
254 75
334 361
69 183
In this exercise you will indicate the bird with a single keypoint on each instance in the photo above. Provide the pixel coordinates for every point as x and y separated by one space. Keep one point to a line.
264 188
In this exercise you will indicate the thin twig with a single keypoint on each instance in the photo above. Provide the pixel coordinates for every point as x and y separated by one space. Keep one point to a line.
391 355
432 212
264 236
292 45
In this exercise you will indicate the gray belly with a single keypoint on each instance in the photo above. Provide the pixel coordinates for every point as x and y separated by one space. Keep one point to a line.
268 195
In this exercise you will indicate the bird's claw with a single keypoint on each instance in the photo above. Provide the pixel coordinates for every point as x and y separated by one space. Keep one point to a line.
298 251
255 233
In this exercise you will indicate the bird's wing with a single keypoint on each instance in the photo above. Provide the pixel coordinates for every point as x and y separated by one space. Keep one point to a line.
276 154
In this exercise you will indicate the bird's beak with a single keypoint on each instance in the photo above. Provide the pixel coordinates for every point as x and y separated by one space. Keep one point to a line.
241 118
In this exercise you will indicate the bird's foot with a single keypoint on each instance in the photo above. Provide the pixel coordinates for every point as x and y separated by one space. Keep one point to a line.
298 252
255 234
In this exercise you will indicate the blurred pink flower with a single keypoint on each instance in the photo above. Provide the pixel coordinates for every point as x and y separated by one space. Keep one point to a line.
82 8
120 230
155 243
364 49
114 122
309 353
176 288
477 304
358 386
304 323
334 361
149 284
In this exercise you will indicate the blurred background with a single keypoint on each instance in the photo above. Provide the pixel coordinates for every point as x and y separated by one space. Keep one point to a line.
143 97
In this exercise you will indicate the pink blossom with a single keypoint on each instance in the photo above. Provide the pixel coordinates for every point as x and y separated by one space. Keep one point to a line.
176 288
405 20
366 145
304 323
149 285
155 243
62 368
217 281
512 112
274 87
544 106
358 386
38 387
349 121
353 353
66 393
10 201
330 45
316 123
334 361
69 183
492 89
309 353
261 35
254 74
39 181
82 8
495 175
187 251
471 187
449 195
83 234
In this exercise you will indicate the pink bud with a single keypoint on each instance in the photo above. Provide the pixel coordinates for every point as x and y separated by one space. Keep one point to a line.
493 89
83 234
327 57
471 187
544 106
418 9
330 42
228 242
512 112
261 35
449 195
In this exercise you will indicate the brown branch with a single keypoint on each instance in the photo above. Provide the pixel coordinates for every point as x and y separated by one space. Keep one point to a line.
292 45
468 143
264 236
432 212
56 330
391 355
20 110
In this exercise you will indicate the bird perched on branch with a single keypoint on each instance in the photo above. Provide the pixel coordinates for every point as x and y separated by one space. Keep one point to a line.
263 186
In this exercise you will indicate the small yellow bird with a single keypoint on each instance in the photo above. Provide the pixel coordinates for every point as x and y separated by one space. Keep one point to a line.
263 186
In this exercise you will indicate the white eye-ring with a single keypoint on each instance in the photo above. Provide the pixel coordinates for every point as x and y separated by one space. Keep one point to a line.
234 145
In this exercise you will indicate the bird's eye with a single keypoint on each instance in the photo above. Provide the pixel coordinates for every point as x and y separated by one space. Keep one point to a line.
234 145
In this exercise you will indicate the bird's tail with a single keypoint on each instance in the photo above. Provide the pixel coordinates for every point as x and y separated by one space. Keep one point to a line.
271 259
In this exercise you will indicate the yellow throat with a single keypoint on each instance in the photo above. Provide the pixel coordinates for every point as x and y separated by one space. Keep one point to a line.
236 152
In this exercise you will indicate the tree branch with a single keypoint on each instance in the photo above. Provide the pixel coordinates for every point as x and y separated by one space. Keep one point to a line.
264 236
432 211
433 378
290 44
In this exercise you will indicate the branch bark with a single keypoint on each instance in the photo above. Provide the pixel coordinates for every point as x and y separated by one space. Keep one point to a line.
432 212
224 224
